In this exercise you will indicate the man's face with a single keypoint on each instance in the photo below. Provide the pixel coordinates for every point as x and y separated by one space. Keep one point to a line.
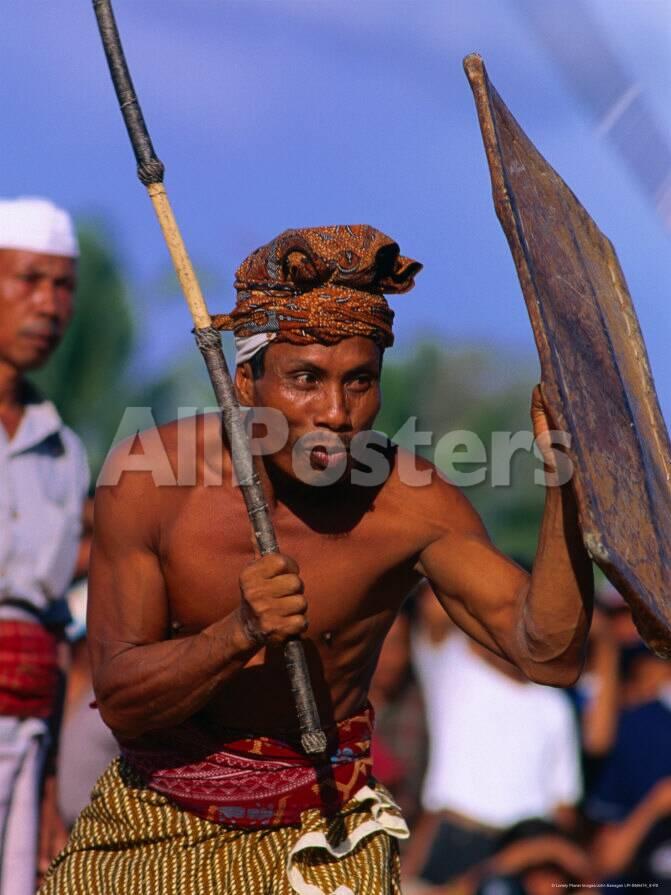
36 302
327 394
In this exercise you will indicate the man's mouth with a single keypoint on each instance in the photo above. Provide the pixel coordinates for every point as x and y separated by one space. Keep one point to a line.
324 456
43 336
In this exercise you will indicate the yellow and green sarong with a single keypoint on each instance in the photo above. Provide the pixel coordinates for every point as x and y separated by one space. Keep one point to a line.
131 840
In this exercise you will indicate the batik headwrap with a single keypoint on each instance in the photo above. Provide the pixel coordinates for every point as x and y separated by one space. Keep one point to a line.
318 284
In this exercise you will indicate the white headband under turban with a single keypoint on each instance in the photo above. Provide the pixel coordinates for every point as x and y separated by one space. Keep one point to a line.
247 346
37 225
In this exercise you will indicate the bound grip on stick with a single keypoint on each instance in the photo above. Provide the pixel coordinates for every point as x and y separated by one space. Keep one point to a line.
208 339
150 171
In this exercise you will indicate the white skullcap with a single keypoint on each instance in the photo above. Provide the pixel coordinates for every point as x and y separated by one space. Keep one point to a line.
247 346
37 225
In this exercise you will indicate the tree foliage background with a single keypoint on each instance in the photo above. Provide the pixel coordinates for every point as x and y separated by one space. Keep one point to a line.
481 389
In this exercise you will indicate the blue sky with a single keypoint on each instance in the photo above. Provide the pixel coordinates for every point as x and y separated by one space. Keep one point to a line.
278 113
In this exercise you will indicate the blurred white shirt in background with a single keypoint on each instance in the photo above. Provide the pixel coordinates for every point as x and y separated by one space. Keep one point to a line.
500 751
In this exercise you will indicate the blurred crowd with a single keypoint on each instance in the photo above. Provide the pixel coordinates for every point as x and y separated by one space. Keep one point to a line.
510 787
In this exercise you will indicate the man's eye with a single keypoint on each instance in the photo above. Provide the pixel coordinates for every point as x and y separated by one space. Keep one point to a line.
305 378
28 277
359 383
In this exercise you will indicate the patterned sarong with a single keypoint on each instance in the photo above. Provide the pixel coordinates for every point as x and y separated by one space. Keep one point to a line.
29 673
130 840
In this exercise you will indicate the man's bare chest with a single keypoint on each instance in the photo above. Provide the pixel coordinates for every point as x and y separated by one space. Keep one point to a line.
349 575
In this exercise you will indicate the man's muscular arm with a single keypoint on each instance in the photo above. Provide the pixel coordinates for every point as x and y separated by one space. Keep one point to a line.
539 621
144 681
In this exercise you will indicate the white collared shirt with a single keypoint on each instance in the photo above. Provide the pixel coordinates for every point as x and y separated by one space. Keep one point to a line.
44 479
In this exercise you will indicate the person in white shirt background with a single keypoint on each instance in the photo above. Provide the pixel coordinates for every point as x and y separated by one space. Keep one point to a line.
43 482
502 749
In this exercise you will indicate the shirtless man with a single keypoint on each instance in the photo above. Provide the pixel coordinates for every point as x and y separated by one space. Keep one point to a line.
186 626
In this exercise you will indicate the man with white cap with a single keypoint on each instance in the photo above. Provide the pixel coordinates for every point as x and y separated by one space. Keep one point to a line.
43 480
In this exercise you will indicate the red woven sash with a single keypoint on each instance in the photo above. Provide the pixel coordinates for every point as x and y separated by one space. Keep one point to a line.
260 782
29 672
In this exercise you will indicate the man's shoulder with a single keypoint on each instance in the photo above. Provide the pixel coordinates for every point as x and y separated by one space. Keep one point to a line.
423 490
76 452
129 486
166 455
53 438
141 461
72 443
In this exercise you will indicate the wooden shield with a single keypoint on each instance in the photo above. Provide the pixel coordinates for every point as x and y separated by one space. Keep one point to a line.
596 378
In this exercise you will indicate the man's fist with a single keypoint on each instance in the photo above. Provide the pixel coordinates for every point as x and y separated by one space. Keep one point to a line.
542 426
272 605
539 415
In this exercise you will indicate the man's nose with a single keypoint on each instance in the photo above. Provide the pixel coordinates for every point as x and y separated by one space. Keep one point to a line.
45 297
334 412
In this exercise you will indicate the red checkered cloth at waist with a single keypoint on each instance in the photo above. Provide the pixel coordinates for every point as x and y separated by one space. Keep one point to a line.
255 782
29 671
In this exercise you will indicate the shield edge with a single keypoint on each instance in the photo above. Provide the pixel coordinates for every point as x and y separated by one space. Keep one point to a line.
652 623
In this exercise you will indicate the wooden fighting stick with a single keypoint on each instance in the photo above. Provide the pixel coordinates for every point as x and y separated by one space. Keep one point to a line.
150 171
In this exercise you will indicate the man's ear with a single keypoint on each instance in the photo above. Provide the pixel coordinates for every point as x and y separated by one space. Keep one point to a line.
244 384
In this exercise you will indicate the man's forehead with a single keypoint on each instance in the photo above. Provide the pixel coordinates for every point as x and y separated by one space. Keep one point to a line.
23 260
351 352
